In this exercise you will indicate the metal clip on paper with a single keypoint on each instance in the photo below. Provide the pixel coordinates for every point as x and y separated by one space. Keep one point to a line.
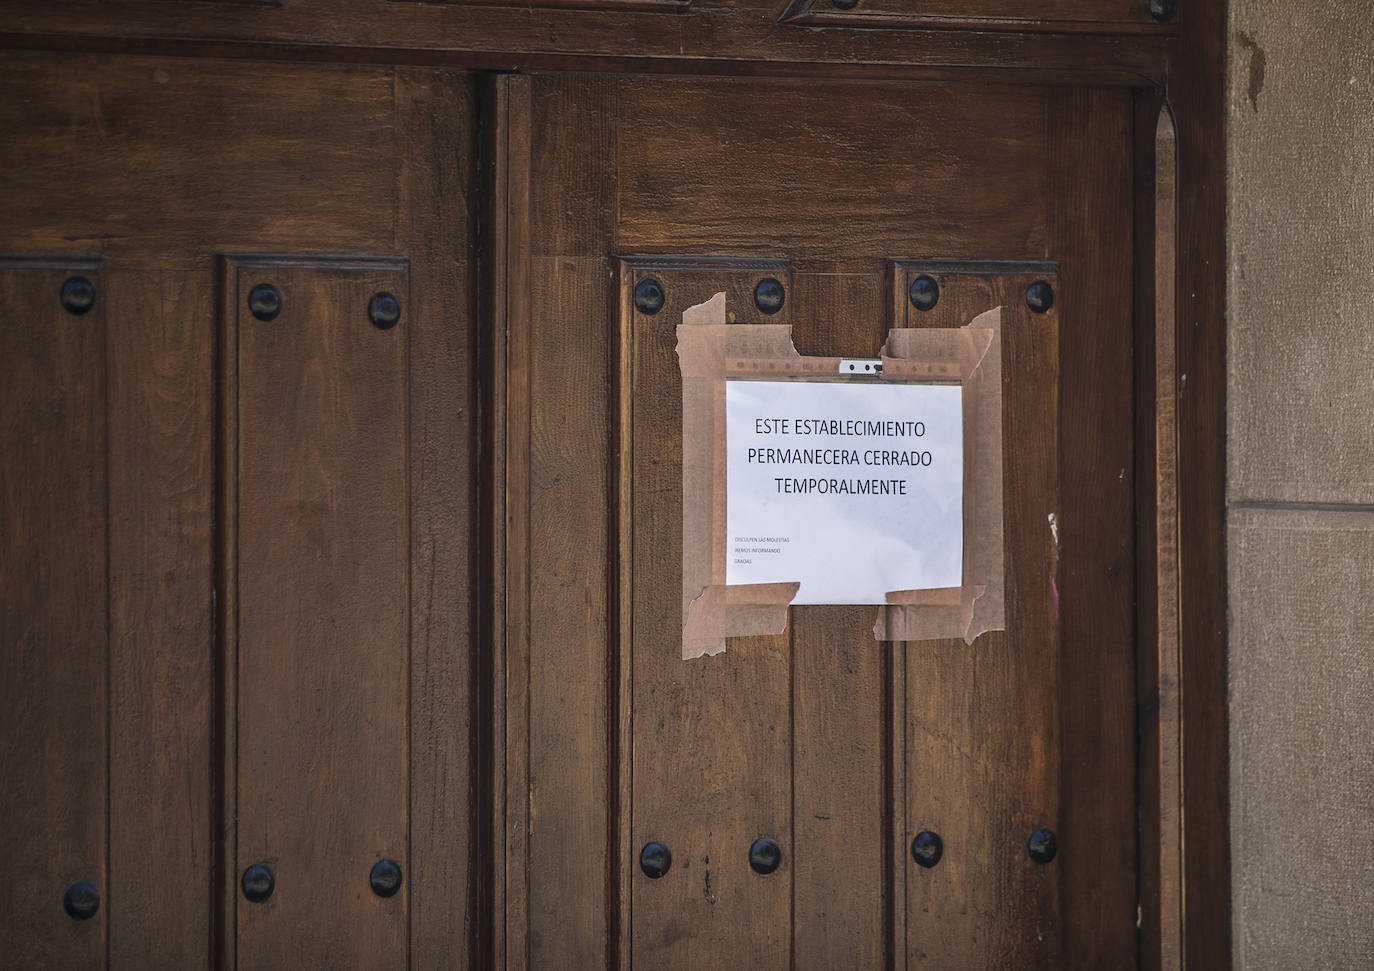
861 366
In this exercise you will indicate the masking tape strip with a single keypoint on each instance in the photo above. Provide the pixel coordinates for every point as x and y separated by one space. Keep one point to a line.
709 350
975 351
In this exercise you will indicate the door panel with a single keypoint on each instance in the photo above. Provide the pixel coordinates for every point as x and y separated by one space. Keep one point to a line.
162 671
840 748
981 734
359 726
317 606
54 674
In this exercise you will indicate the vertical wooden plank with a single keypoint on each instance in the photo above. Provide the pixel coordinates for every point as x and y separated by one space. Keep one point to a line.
839 712
435 220
161 327
712 740
568 348
1197 97
53 614
1167 578
513 155
1089 214
322 606
982 743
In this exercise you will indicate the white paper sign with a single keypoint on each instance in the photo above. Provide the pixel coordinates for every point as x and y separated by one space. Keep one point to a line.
852 489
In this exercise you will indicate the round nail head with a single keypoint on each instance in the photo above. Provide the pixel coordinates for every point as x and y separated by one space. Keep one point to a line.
78 295
384 310
1163 10
1042 846
258 882
927 848
655 859
649 296
1039 297
264 301
81 900
765 855
385 878
924 292
769 295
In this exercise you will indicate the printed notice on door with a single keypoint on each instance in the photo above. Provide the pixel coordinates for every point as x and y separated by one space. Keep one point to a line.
852 489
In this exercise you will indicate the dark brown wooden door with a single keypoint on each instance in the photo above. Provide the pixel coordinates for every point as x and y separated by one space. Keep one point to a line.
341 480
238 547
838 747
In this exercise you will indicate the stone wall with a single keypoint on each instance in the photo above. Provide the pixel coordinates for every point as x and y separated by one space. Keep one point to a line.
1300 143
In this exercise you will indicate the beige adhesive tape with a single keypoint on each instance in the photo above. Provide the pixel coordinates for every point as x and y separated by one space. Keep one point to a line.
709 350
967 611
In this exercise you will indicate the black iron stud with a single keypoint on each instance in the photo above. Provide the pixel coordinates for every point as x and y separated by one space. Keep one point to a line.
844 4
1042 846
1163 10
385 878
81 900
765 855
258 882
649 296
264 300
924 292
769 295
927 848
384 310
655 859
1039 297
78 295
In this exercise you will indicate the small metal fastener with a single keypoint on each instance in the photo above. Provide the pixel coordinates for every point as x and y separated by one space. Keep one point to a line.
769 295
264 300
924 292
1163 10
81 900
385 878
384 310
1042 846
78 295
258 882
655 859
765 855
1039 297
844 4
927 848
649 296
861 365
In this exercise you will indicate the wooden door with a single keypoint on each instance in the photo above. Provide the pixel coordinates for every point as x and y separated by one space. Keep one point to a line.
237 514
341 484
838 748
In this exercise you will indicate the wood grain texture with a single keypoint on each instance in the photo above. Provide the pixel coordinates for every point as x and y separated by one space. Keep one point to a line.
511 405
561 704
710 38
1196 93
54 650
162 671
751 168
323 610
839 710
263 172
158 164
1091 149
982 743
712 737
809 736
1104 16
436 221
